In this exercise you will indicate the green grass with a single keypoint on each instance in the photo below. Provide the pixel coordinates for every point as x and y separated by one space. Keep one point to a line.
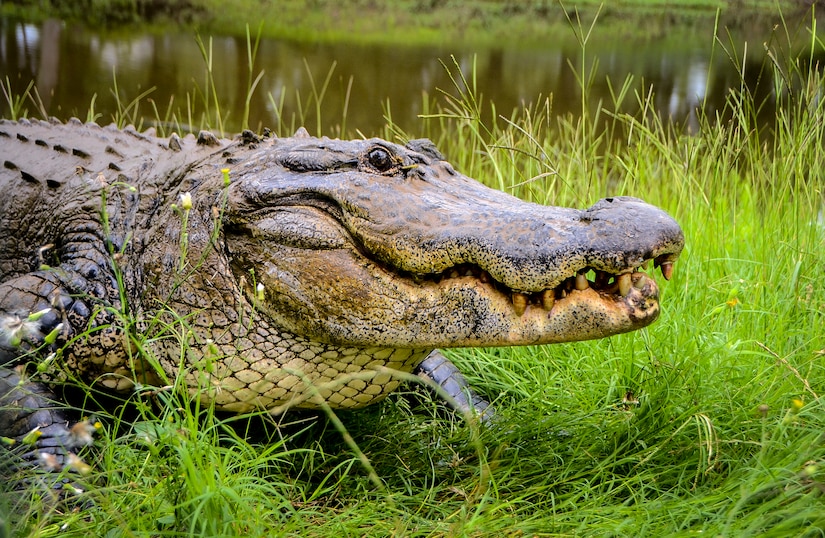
708 422
412 22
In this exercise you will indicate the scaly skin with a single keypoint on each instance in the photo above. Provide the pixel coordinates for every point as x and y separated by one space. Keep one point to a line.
322 268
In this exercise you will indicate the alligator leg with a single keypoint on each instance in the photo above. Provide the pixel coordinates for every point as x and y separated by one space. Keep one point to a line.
439 370
33 323
31 419
32 306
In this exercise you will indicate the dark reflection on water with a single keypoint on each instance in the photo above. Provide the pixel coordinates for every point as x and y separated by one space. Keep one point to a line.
70 64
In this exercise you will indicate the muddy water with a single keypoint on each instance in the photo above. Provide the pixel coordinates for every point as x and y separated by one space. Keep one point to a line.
71 64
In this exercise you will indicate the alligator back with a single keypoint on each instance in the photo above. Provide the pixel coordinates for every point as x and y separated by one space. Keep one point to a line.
54 176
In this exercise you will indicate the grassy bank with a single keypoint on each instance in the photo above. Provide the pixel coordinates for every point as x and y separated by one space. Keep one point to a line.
419 22
479 22
708 422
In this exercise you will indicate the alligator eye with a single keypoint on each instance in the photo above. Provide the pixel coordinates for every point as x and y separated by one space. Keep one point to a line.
380 159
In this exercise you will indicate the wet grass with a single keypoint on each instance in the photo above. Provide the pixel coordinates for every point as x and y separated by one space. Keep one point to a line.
707 422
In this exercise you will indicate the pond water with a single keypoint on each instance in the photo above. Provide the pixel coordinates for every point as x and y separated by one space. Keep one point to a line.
70 64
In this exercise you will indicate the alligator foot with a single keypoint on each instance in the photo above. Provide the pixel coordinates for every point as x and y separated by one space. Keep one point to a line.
438 370
36 430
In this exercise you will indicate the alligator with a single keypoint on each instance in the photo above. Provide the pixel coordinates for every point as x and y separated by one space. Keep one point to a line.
275 273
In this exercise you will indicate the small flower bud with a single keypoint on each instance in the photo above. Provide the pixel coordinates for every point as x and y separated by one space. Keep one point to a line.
49 461
83 431
810 469
43 366
51 338
78 465
34 316
68 487
32 437
186 201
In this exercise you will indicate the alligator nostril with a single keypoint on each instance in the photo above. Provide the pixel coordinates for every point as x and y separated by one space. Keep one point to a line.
608 199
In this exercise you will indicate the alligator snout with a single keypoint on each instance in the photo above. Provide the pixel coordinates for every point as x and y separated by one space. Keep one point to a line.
643 231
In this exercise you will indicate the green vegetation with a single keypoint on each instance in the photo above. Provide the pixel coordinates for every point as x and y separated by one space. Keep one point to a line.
709 421
475 22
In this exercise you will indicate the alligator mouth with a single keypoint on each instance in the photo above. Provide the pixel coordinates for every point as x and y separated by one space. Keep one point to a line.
617 285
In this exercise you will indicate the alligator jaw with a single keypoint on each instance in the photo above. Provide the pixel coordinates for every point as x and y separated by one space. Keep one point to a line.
591 304
340 297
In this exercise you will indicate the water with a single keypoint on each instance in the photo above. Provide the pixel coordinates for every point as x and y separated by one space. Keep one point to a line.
71 64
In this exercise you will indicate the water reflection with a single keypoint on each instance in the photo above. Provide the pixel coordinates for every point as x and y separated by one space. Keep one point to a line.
70 65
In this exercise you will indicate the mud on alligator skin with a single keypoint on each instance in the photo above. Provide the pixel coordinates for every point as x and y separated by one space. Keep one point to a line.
319 270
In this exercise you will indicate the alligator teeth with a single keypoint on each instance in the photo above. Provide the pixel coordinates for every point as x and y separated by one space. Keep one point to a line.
666 265
520 303
624 284
603 282
548 299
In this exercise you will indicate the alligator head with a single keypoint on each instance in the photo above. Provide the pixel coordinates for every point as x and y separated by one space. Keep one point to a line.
369 243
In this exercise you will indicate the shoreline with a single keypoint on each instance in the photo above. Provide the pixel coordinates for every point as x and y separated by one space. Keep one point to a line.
479 23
